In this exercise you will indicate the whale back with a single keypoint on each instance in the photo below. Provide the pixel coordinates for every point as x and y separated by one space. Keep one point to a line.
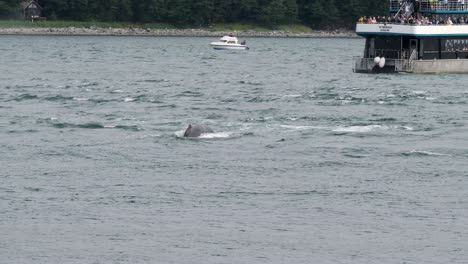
196 130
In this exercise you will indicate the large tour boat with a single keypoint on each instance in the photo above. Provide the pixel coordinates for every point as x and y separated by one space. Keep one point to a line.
425 36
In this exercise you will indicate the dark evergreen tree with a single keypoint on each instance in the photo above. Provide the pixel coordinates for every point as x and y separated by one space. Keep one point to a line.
315 13
8 9
202 11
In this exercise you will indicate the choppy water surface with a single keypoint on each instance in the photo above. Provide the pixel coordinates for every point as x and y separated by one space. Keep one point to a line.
309 162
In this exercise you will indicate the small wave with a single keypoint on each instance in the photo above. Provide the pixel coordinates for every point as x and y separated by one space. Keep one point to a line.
117 91
385 119
124 127
85 125
292 95
259 99
190 94
58 98
100 100
424 153
32 189
88 84
22 131
155 80
24 97
251 83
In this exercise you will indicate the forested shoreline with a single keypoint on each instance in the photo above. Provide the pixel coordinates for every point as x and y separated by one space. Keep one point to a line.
320 14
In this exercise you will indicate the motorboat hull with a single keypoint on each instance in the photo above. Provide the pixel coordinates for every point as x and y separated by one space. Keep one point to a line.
228 47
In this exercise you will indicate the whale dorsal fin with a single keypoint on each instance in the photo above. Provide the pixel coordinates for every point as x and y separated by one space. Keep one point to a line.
186 133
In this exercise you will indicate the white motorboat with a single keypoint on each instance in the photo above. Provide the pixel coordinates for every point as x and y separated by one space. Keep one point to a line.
229 43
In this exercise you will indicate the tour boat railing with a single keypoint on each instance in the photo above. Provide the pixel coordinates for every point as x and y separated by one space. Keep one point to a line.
363 64
441 6
405 63
431 6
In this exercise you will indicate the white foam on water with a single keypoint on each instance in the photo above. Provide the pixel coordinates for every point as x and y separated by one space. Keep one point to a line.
80 99
292 95
218 135
428 153
117 91
148 136
407 128
301 127
419 92
179 133
128 99
361 129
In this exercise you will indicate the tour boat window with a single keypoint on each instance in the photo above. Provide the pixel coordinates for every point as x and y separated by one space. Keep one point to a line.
455 44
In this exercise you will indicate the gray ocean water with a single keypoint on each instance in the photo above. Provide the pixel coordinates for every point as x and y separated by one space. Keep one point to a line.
309 162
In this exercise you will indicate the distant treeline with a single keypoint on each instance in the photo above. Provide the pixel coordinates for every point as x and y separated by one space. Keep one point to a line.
202 13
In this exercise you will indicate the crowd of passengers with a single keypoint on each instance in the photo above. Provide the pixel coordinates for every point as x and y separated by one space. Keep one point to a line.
414 20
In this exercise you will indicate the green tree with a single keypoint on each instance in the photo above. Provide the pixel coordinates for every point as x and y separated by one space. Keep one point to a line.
124 11
180 12
8 8
317 13
202 11
272 13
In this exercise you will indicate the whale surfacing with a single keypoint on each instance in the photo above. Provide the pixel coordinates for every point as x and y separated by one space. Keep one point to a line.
196 130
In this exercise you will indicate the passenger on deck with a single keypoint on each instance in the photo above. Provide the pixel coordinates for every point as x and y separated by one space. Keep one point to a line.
449 21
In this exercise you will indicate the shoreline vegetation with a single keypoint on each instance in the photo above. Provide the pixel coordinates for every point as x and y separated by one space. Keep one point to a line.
67 28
